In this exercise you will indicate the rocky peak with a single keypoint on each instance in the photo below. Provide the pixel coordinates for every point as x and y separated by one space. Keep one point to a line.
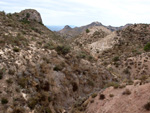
67 27
30 15
96 23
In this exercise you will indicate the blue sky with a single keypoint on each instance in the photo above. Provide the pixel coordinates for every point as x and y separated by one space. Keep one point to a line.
82 12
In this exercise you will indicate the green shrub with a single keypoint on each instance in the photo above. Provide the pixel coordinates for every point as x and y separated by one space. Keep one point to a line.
126 71
81 55
1 76
18 109
50 99
111 95
147 106
116 58
27 15
58 68
45 110
90 57
143 78
93 95
49 45
9 81
36 30
90 82
74 86
25 21
11 72
22 82
87 30
63 49
32 103
114 84
41 23
130 82
18 40
15 49
101 96
147 47
4 101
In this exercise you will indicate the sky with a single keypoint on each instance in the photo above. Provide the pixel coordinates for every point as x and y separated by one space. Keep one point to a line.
83 12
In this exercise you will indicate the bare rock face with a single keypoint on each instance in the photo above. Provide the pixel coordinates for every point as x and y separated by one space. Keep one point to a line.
30 15
132 99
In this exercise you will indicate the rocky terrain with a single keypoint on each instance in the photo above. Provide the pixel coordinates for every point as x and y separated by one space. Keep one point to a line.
39 72
69 32
43 72
131 99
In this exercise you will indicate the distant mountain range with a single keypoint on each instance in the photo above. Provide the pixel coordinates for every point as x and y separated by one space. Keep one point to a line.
58 28
69 32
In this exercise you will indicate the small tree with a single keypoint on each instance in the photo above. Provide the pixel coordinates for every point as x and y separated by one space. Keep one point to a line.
87 30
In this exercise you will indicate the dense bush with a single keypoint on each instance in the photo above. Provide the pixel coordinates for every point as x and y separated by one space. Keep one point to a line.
93 95
23 82
147 106
4 101
57 68
32 103
25 21
74 86
87 30
27 15
147 47
116 58
63 49
111 95
126 71
1 74
15 49
101 96
9 81
49 45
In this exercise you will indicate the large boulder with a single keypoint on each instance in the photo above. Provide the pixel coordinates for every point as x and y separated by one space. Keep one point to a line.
30 15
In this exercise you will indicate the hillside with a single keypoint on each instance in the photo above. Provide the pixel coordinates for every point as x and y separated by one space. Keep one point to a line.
42 72
125 54
132 99
39 71
69 32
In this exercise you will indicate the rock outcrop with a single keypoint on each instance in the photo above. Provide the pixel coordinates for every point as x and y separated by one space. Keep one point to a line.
30 15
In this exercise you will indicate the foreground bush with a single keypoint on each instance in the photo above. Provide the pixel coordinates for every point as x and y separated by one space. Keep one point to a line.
62 49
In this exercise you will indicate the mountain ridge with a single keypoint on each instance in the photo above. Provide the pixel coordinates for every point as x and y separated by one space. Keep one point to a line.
74 32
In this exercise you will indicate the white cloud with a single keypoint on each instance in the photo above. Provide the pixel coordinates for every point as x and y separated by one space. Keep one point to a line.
81 12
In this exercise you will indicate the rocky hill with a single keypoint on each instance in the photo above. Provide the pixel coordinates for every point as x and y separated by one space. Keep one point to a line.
42 72
125 54
39 71
69 32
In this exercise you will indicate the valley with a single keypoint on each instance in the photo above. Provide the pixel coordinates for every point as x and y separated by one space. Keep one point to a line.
88 69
